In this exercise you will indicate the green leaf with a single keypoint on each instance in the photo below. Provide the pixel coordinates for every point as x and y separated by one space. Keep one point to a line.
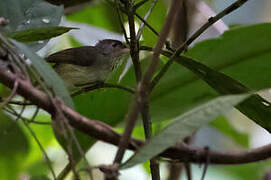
183 126
47 73
241 53
29 14
223 125
10 132
37 34
14 146
156 20
255 107
101 15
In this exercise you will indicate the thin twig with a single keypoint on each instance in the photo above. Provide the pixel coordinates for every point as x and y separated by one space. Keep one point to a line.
104 85
48 162
187 167
140 3
20 114
134 46
210 22
12 94
20 103
144 21
133 112
121 22
35 113
147 24
26 119
42 149
15 57
104 132
206 164
39 123
61 118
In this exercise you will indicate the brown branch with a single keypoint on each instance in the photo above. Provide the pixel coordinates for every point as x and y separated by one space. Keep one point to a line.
134 46
104 132
142 88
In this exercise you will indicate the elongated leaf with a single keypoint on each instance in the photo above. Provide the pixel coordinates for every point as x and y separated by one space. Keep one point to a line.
255 107
183 126
242 54
37 34
47 73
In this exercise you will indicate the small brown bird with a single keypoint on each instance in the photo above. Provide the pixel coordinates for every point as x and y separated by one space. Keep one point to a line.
88 65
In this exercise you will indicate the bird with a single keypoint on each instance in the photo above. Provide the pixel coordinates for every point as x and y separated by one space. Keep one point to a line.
88 66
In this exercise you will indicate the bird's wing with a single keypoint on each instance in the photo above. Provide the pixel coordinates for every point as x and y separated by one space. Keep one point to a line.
82 56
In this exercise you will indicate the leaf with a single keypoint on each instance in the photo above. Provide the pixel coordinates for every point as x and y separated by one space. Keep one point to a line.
183 126
47 73
156 20
102 14
242 54
224 126
14 146
29 14
38 34
255 107
10 132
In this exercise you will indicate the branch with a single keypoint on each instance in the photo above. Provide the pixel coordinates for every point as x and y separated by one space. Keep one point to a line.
142 92
134 51
144 21
104 85
104 132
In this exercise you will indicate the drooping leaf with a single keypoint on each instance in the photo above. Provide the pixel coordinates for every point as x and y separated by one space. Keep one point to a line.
38 34
184 126
47 73
255 107
28 14
241 53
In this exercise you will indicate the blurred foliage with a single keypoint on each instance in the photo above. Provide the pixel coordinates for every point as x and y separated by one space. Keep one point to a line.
225 127
14 146
242 53
100 15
